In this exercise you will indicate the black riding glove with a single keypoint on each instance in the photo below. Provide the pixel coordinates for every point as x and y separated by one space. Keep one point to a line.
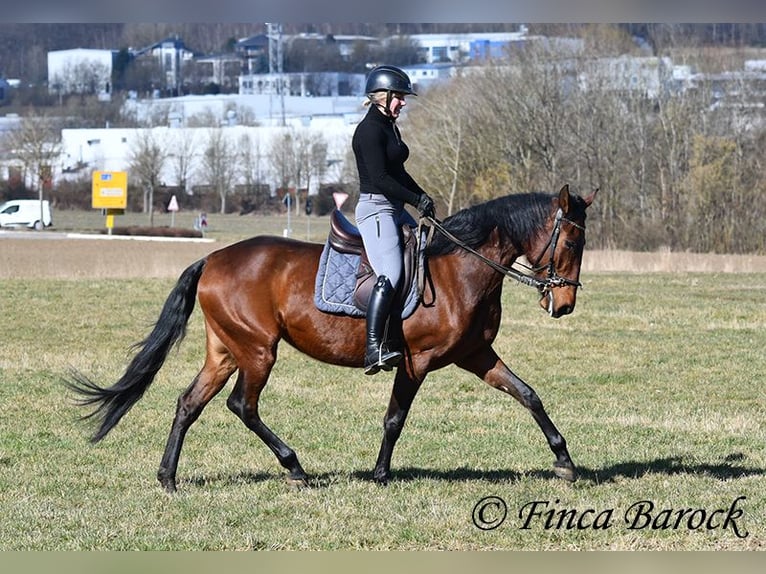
425 206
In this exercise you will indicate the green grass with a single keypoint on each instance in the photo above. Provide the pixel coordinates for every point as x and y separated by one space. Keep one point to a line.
656 381
225 228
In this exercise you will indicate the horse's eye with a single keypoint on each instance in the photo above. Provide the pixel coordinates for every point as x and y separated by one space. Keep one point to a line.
571 245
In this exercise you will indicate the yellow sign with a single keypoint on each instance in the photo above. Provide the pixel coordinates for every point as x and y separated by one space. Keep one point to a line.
110 189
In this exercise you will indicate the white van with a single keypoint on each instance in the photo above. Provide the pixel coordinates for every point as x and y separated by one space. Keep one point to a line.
26 213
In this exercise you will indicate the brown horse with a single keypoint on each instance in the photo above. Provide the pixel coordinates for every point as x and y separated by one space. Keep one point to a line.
257 292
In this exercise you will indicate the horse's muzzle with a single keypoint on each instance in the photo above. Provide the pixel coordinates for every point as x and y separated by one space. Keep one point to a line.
548 302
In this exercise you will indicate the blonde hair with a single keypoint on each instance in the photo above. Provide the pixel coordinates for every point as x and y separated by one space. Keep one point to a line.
375 98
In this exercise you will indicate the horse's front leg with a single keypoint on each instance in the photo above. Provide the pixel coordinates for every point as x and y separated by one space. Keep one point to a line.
491 369
402 395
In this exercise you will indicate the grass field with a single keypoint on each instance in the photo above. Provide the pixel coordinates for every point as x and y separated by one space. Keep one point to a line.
656 381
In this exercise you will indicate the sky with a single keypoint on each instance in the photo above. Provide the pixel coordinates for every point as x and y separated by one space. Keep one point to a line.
387 11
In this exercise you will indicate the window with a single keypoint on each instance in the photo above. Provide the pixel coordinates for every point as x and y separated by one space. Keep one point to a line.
439 54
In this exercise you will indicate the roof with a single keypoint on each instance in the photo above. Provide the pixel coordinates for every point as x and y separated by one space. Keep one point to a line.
257 41
176 42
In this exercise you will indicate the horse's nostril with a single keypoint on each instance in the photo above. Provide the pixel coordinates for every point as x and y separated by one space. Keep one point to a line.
561 311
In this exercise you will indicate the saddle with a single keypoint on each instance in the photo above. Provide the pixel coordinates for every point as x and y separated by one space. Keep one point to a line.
344 237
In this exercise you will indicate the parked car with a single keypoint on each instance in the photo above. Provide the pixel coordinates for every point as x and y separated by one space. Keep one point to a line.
30 213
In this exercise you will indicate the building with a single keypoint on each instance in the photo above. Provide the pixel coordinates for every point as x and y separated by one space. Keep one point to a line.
81 71
307 84
222 70
460 48
423 76
645 76
88 150
239 109
5 88
171 56
254 51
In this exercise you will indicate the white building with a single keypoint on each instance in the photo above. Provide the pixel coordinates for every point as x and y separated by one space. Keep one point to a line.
80 71
233 109
304 84
459 48
87 150
648 76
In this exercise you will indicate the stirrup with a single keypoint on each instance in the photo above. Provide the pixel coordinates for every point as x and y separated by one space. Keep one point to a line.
385 362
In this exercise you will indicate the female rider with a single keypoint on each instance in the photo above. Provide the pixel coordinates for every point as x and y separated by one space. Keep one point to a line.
384 189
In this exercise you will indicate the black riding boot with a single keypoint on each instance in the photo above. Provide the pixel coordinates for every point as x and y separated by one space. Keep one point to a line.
378 355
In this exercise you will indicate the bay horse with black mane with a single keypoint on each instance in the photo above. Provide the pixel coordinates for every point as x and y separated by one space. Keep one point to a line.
259 291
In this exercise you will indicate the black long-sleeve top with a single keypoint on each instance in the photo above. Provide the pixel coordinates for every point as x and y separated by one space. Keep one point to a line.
380 155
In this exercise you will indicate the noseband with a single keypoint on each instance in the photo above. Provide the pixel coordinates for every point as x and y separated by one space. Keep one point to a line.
553 279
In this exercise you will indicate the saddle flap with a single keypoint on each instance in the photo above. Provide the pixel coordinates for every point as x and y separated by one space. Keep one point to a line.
366 278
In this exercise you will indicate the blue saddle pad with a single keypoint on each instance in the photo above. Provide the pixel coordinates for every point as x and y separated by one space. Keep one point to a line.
336 281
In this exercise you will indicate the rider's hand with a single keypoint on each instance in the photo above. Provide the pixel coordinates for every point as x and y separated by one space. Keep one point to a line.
426 206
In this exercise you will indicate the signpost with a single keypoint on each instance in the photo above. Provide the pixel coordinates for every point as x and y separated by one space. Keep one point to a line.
340 197
287 201
172 208
110 194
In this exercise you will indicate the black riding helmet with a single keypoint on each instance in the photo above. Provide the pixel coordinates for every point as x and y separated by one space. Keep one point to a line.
388 79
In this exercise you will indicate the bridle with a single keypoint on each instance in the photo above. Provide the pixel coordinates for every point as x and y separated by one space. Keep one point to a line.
544 286
554 279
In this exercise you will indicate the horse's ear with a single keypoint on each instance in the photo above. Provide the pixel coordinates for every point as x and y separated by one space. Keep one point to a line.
564 198
588 200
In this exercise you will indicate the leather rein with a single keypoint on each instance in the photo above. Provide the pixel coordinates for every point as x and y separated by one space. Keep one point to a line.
553 279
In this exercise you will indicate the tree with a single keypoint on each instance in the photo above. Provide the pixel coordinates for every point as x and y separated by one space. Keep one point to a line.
282 160
448 156
218 163
250 159
711 188
310 152
36 144
184 146
147 158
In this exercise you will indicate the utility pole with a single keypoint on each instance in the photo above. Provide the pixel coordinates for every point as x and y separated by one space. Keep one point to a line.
274 32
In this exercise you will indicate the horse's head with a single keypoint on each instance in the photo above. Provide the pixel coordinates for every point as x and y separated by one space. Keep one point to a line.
559 253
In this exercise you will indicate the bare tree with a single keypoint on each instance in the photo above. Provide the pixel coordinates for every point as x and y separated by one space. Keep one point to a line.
184 148
36 144
282 160
250 159
147 157
87 77
446 156
219 162
310 153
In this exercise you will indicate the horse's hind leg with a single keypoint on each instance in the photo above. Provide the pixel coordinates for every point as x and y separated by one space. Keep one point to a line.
217 369
491 369
243 402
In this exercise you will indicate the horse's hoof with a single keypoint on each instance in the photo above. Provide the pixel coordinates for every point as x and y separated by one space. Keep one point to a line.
168 485
297 483
565 471
381 478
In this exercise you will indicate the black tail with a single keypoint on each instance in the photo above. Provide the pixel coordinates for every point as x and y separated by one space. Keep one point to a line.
112 403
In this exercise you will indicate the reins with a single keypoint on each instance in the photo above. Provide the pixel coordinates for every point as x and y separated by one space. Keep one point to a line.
553 279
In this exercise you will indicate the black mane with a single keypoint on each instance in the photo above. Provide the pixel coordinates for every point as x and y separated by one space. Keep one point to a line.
516 216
